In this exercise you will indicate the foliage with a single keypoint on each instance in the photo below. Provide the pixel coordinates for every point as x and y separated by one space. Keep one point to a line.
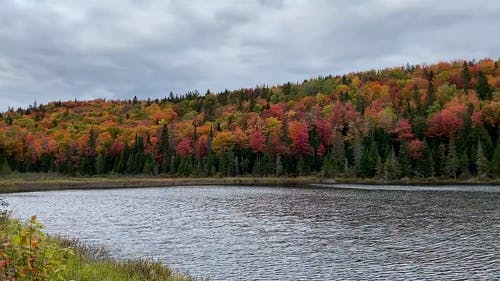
334 125
26 254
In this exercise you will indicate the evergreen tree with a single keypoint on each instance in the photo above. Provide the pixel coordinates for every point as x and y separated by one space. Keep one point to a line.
357 152
329 167
466 76
380 169
440 160
464 164
131 164
211 164
101 164
391 167
279 166
338 153
483 89
482 163
149 165
430 97
452 164
89 164
368 163
4 167
495 161
138 156
173 165
164 147
185 166
424 166
404 160
121 166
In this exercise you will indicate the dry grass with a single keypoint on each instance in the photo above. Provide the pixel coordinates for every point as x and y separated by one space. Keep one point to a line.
42 182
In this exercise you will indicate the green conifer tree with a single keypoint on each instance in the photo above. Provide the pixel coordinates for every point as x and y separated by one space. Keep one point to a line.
452 164
482 163
404 160
495 161
328 168
466 76
464 164
483 89
391 167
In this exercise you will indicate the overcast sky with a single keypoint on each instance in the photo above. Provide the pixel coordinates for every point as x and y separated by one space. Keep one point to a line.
65 49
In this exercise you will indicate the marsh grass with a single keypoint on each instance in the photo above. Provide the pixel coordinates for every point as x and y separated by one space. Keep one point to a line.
26 182
94 263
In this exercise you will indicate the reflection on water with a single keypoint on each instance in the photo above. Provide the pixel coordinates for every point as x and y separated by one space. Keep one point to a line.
269 233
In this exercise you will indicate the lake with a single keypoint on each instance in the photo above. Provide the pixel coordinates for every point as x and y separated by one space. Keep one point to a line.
332 232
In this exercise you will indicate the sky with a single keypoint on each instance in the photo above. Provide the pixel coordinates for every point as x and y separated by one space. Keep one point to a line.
54 50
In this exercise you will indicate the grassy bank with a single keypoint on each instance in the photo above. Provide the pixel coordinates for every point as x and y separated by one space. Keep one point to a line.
42 182
26 253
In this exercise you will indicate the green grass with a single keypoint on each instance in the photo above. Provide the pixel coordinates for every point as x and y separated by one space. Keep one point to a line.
89 264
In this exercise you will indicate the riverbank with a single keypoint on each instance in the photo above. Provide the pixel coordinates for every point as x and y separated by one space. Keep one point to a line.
27 253
45 182
42 182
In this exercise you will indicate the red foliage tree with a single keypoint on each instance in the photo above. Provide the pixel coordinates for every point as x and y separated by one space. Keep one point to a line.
257 142
298 133
415 148
403 130
443 123
185 147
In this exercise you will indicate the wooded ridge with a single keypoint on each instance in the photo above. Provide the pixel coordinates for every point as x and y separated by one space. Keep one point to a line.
423 121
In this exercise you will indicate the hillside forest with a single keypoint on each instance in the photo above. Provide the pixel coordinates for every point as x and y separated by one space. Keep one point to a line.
414 121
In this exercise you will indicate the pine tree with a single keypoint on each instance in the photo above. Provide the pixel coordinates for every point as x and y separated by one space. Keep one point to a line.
328 168
452 164
466 76
357 152
173 165
149 165
440 160
101 164
4 167
404 160
495 161
391 167
425 165
481 161
338 153
367 165
164 147
464 164
380 169
483 89
121 166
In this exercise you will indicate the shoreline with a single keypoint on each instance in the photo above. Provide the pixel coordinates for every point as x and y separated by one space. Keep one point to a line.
44 182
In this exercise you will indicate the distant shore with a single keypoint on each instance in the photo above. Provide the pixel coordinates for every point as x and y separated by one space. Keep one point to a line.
45 182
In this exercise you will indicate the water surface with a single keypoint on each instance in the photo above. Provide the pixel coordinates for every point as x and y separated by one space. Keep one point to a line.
270 233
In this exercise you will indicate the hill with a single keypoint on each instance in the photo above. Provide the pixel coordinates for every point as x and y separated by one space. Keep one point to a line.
437 120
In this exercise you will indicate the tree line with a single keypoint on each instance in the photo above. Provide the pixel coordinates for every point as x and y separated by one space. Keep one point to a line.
440 120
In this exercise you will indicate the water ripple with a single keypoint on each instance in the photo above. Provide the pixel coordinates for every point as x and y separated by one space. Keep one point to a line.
261 233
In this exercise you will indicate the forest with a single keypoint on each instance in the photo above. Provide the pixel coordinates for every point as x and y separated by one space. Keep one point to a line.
413 121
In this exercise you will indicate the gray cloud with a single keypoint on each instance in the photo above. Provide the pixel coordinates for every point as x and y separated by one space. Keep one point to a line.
62 50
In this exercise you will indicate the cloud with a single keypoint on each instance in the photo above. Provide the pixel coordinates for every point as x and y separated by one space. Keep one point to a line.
62 50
